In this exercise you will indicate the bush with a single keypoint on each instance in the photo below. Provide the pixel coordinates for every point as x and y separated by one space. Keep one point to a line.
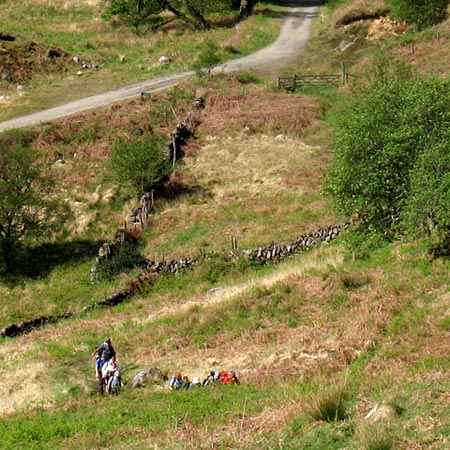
208 58
422 13
392 157
141 164
125 259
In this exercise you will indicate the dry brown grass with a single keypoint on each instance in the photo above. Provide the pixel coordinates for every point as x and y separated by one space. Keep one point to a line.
257 165
358 10
229 167
22 384
284 352
250 354
258 111
429 57
66 4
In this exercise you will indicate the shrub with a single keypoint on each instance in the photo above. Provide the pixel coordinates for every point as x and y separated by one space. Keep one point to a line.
208 58
422 13
125 259
140 163
391 157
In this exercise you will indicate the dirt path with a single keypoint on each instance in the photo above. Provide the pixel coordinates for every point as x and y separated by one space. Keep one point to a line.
293 37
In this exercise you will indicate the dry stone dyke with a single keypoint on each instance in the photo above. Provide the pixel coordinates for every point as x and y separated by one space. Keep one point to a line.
271 253
274 253
138 221
139 218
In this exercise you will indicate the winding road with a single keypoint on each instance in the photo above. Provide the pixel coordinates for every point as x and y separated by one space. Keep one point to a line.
292 38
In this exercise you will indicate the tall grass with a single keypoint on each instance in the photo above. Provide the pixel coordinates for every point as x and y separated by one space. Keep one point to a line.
329 405
164 415
376 437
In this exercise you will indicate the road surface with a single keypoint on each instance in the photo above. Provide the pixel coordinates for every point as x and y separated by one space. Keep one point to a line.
292 38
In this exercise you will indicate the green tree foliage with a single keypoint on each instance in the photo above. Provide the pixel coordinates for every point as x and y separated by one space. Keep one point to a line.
142 15
421 13
140 164
28 208
146 14
428 205
392 157
208 58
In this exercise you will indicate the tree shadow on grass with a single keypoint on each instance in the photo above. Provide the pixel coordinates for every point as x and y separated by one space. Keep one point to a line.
233 20
226 21
39 261
177 189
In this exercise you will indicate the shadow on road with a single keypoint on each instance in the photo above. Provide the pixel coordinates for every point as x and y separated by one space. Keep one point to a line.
293 4
297 14
301 3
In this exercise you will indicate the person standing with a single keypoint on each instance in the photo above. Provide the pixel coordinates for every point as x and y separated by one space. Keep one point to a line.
103 353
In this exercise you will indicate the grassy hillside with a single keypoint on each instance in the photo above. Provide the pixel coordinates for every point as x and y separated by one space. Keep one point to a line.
332 351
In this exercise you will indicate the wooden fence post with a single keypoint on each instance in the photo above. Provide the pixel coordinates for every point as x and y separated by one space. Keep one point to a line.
344 73
174 146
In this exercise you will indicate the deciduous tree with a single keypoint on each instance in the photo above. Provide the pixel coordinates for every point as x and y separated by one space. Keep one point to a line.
28 207
142 15
146 14
391 157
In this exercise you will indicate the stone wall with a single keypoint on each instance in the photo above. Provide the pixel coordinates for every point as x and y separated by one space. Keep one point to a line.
271 253
274 253
138 220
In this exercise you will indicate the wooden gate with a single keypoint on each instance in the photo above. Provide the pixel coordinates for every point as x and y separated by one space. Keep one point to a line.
298 81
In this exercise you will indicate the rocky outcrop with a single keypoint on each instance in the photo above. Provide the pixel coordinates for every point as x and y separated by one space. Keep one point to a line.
152 374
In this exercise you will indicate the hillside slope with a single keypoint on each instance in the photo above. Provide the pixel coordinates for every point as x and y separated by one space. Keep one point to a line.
332 351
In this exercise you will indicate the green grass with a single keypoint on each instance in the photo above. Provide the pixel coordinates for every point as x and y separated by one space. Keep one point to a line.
165 413
283 331
329 406
66 289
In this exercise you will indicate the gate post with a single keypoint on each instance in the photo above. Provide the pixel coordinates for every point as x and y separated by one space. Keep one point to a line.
344 73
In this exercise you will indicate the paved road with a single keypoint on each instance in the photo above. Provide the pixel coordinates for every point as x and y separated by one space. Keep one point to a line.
293 37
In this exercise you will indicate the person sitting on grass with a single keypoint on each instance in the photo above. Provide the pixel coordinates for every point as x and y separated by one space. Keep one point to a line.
176 381
228 377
